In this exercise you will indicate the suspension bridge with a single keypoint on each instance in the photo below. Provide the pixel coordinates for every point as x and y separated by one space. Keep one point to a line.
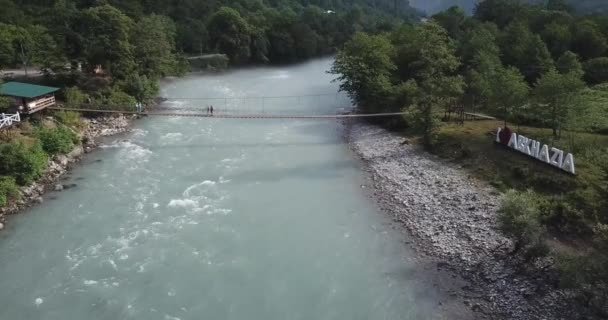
317 106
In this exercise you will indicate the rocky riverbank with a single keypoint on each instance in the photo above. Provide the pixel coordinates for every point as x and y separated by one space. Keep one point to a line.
58 165
452 219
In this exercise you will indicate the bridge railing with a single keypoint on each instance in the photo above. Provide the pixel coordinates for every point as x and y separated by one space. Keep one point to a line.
294 105
7 120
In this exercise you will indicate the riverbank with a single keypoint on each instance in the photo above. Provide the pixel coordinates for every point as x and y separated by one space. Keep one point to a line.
451 219
58 165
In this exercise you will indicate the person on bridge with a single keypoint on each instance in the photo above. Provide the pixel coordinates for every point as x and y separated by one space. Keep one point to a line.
211 109
208 109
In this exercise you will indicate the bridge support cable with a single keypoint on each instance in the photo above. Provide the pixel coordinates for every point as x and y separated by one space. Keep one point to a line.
234 116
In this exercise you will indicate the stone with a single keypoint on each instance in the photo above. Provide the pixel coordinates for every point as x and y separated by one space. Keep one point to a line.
476 307
61 160
38 200
58 187
1 225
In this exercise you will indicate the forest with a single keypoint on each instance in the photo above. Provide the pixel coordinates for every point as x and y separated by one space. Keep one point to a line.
539 69
136 42
580 6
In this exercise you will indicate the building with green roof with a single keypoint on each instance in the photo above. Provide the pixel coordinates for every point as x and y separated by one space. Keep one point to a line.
29 98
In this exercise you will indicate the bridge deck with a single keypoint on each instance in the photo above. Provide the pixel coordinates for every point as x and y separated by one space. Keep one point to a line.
235 116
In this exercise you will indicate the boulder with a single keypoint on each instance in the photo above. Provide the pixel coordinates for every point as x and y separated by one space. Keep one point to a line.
58 187
61 160
76 153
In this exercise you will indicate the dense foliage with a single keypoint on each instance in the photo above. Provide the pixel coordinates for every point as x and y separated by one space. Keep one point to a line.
129 45
8 189
542 66
21 161
56 140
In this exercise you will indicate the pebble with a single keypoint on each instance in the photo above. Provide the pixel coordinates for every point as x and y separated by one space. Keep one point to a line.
452 220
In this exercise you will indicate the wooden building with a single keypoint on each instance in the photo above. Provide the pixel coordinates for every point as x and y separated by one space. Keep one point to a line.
28 98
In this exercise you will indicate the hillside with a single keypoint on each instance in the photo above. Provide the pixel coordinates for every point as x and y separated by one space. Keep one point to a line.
434 6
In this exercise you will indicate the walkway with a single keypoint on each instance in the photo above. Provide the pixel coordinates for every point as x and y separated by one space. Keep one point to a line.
235 116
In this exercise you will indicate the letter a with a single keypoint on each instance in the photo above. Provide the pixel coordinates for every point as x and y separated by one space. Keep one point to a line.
544 154
513 141
569 164
557 158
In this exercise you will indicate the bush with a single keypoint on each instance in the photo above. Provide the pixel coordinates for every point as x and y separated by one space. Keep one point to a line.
74 98
519 218
68 118
8 189
118 100
24 163
56 140
596 70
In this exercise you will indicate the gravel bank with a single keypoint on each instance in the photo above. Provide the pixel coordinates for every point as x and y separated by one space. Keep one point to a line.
451 218
60 164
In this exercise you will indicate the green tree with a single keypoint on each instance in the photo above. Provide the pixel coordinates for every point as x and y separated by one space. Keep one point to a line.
596 70
24 163
501 12
569 63
230 34
434 82
106 37
558 5
558 37
587 40
56 140
558 98
119 100
365 61
452 21
519 218
507 93
525 50
74 97
153 39
141 88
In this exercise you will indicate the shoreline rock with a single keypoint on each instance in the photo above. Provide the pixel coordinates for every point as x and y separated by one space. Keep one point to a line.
60 164
451 219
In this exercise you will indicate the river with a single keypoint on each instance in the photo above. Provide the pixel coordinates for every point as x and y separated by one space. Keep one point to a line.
195 218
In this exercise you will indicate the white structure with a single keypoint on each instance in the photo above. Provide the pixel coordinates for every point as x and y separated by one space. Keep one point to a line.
535 149
7 120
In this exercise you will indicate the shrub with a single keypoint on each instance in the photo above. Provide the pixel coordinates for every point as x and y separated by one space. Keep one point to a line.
68 118
519 218
56 140
8 189
596 70
118 100
75 98
24 163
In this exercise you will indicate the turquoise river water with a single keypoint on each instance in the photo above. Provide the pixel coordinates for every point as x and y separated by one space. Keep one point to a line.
194 218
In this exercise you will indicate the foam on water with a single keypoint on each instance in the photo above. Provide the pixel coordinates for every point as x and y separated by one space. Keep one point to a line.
212 219
183 203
